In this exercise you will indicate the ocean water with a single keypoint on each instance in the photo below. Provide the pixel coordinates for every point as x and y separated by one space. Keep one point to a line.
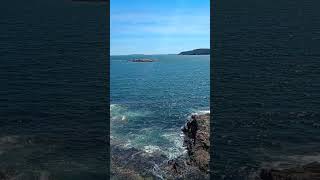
266 94
52 93
151 101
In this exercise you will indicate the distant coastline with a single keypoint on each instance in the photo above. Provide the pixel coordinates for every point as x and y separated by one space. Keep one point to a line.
202 51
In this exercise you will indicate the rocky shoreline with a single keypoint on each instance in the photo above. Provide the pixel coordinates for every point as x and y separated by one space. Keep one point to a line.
195 164
131 163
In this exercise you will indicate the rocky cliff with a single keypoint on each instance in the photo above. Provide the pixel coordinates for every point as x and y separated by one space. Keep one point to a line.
195 164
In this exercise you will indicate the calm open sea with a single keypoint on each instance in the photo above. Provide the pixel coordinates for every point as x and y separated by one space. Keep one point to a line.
151 101
52 106
266 95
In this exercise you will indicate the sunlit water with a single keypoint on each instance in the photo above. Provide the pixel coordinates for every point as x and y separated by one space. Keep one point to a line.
266 99
53 111
151 101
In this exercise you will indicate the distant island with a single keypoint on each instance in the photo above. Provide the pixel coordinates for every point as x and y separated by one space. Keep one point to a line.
202 51
141 60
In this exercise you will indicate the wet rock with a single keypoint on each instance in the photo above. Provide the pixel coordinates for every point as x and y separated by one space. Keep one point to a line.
180 168
307 172
131 163
197 140
195 164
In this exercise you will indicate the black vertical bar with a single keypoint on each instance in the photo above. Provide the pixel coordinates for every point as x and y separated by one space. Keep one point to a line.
108 86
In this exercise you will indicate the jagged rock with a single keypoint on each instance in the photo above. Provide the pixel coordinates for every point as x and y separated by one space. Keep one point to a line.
195 164
197 140
131 163
307 172
180 168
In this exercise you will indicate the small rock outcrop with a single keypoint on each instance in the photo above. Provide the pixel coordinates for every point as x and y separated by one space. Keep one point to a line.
141 60
309 171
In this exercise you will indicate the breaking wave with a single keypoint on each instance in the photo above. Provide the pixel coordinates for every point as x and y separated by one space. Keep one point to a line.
122 113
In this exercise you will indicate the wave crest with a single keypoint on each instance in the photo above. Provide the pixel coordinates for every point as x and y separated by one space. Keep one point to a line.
122 113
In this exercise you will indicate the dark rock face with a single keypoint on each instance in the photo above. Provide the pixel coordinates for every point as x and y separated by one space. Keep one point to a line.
195 164
181 168
307 172
131 163
196 52
197 140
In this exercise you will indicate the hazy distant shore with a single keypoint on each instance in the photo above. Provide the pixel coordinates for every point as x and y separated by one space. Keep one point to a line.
200 51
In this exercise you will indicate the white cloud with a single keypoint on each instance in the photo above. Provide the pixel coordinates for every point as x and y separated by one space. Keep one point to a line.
177 23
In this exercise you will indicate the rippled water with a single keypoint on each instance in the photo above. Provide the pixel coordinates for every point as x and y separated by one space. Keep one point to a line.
53 112
151 101
266 98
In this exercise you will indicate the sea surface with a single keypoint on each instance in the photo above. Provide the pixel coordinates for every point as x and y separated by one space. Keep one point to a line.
266 81
151 101
53 119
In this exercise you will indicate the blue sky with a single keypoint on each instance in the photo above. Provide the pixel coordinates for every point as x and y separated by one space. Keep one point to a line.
158 26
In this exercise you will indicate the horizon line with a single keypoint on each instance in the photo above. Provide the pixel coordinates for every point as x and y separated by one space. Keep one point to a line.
154 54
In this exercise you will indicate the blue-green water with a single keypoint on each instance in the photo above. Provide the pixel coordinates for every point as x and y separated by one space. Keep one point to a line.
266 96
52 93
151 101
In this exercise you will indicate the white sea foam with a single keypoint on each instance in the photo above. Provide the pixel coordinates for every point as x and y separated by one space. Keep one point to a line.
122 114
204 112
175 138
128 144
148 138
199 111
151 149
